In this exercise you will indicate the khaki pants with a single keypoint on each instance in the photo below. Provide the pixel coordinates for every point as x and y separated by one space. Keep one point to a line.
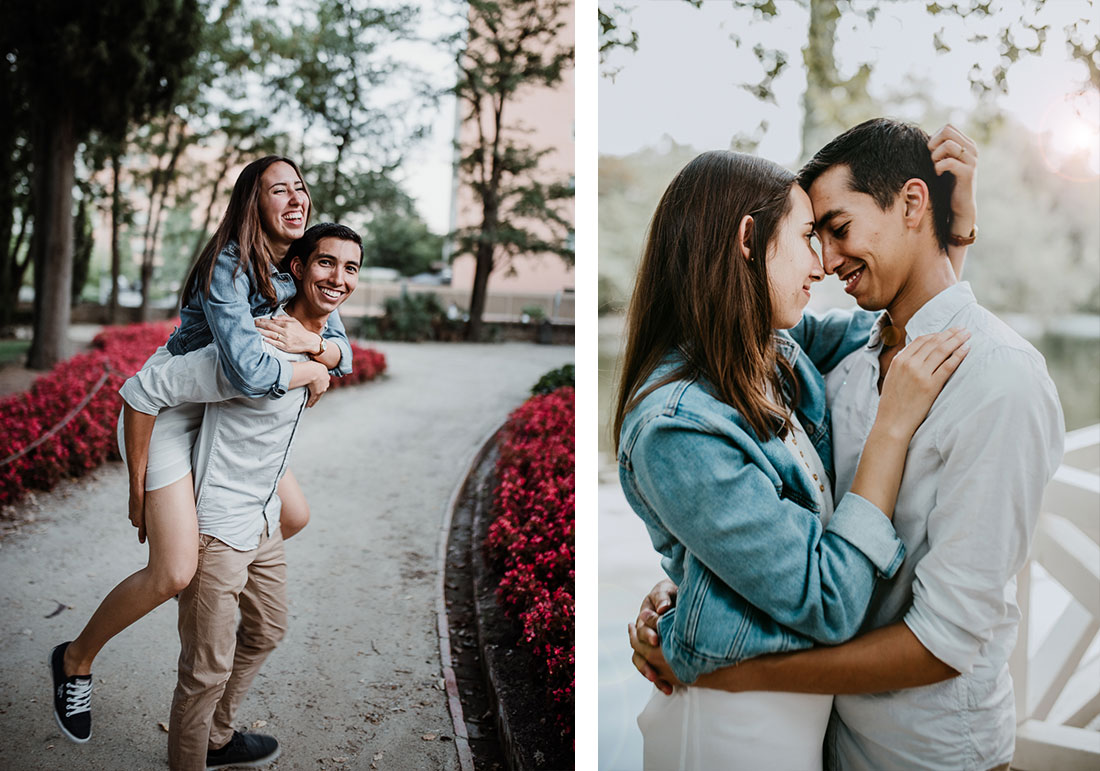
218 657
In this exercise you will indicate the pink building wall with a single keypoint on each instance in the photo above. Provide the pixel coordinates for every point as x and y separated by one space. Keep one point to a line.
547 119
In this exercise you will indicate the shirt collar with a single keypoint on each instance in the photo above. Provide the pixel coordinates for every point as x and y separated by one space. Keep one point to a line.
933 316
936 314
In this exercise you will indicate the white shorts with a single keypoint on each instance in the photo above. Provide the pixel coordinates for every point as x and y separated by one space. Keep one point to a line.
173 439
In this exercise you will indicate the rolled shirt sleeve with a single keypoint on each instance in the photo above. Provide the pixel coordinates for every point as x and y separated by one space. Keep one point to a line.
716 500
194 377
998 457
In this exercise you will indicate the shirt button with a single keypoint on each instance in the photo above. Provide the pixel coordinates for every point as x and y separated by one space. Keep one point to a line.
821 487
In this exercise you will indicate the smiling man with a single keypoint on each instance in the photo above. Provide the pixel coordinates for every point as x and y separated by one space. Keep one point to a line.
926 685
240 455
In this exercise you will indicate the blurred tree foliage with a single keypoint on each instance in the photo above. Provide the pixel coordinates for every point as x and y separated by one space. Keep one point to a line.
157 104
68 81
1039 231
510 47
399 239
1029 212
832 102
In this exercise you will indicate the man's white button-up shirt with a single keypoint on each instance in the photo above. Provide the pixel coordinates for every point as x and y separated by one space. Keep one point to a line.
966 511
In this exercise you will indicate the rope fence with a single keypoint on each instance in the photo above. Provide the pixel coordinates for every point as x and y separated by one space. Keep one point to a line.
108 370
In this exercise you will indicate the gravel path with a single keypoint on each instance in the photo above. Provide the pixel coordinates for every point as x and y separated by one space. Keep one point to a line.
356 684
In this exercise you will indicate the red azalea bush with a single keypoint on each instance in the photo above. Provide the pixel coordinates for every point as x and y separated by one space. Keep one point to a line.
366 364
531 539
88 384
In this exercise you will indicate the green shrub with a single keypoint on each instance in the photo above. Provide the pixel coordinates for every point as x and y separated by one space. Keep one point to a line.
535 313
413 318
555 379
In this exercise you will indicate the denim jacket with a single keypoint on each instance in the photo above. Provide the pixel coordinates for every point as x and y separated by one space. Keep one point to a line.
225 316
736 520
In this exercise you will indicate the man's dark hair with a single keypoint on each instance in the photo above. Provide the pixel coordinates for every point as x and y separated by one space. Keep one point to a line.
882 155
304 246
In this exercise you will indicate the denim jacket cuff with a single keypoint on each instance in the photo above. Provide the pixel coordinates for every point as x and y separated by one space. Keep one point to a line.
344 367
862 524
286 369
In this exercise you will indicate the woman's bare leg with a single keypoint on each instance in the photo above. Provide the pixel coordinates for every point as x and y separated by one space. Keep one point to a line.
295 512
173 534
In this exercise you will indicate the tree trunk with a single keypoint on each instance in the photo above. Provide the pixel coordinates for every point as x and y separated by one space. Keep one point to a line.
116 223
480 291
820 77
55 150
205 227
162 179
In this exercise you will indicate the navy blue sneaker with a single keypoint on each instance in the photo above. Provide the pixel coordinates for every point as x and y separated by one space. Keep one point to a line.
72 698
244 751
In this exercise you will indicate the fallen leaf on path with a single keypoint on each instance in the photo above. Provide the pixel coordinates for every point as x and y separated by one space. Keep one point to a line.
259 724
429 737
339 760
163 726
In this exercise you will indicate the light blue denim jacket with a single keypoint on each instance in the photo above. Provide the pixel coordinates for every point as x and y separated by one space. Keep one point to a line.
225 316
736 519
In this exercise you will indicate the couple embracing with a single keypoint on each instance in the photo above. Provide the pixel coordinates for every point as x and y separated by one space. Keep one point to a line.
841 502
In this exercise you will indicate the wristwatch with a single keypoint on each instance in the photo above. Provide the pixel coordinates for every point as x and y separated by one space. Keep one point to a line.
964 240
321 351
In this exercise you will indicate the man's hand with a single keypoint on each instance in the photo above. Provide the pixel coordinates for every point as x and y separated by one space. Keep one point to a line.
955 152
137 508
660 598
649 659
287 334
644 632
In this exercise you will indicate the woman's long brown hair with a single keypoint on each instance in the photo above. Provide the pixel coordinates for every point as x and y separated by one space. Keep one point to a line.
696 292
241 223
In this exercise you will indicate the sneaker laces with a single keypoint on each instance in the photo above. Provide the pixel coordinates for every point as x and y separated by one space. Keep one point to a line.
78 696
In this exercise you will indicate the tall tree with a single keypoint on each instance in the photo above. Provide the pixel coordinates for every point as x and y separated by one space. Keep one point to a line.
511 48
15 180
334 70
76 83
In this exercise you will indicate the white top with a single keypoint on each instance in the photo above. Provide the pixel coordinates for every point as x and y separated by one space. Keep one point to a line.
804 454
966 511
242 448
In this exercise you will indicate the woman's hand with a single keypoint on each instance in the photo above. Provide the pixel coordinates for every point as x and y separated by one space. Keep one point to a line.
916 376
318 384
312 375
955 152
317 388
287 334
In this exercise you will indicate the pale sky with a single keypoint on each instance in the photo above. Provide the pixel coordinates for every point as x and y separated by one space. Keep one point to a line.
683 81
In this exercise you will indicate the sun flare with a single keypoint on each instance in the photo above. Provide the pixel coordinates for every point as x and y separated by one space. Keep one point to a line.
1069 137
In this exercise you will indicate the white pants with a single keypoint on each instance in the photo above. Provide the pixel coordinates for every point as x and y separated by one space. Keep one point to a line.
700 729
